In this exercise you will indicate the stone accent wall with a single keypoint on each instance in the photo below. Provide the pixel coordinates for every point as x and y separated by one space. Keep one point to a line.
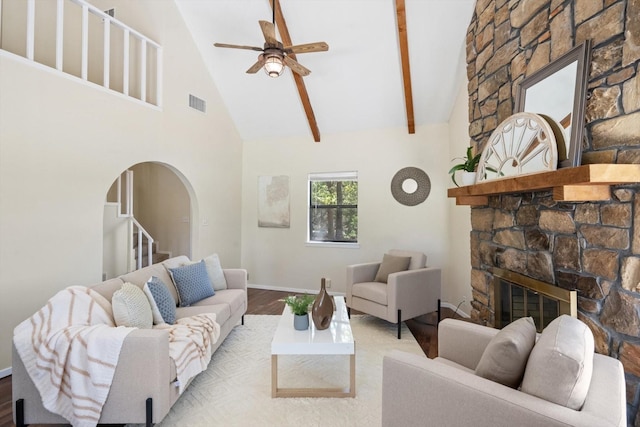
591 247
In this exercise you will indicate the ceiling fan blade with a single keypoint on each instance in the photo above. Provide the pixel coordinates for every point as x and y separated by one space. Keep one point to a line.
295 66
306 48
256 67
269 32
235 46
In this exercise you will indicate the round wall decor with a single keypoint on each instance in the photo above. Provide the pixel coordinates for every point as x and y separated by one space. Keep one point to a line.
410 186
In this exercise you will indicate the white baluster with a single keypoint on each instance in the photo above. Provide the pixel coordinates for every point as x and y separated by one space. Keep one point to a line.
59 34
31 28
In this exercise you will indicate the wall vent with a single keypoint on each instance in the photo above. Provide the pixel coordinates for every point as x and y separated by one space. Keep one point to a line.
197 103
111 12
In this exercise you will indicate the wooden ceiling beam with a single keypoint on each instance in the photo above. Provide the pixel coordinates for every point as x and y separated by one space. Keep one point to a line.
404 57
302 89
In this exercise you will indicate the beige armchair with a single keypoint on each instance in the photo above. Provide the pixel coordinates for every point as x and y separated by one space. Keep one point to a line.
407 294
445 391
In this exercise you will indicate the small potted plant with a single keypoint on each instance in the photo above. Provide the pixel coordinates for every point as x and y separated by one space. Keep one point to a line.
300 305
468 166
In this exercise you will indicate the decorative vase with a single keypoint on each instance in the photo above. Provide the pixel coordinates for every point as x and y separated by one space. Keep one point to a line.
301 322
322 310
468 178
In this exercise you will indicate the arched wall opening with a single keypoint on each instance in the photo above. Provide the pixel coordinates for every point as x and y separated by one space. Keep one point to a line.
164 203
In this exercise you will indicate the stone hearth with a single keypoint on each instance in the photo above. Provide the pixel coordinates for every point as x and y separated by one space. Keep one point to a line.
593 247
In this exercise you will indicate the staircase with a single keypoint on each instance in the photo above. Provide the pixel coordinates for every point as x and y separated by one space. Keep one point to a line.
156 256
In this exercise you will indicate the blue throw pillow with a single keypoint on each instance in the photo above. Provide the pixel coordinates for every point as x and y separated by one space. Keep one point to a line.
164 300
192 283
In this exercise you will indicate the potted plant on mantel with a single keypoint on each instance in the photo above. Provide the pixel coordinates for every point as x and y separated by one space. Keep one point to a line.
468 168
300 306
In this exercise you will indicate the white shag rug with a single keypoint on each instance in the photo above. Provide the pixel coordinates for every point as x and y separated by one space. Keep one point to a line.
235 390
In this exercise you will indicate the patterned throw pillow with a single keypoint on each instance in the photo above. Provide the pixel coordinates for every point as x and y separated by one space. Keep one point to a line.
214 269
192 283
162 299
131 307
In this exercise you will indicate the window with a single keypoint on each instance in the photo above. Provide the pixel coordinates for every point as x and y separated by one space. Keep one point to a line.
333 207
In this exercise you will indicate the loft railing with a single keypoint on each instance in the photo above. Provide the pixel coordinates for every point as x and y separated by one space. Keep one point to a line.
134 225
107 52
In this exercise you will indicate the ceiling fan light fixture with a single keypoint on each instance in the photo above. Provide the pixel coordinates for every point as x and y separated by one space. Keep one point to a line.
273 66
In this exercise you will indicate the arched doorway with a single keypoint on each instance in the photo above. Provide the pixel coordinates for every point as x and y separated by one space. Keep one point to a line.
160 206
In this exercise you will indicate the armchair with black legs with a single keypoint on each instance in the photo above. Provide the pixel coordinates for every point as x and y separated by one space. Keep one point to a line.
399 288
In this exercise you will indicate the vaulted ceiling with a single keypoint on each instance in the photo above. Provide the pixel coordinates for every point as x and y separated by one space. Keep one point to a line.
356 85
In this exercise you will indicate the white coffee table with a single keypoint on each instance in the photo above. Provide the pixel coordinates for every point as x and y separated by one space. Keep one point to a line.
337 339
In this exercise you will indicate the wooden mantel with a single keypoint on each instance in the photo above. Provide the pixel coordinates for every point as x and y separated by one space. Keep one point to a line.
579 184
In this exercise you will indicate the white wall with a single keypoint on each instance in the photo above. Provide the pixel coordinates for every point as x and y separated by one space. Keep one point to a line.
458 266
63 143
277 257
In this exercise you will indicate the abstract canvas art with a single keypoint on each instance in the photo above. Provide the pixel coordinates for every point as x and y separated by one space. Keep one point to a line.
273 201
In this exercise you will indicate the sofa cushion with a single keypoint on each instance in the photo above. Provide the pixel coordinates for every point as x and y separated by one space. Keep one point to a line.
505 357
372 291
108 287
192 283
391 264
163 301
131 307
234 298
561 363
222 311
216 275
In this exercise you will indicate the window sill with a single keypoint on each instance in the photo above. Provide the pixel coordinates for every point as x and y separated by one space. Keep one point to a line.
333 245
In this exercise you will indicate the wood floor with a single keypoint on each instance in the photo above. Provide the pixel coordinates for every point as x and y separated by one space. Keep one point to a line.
267 302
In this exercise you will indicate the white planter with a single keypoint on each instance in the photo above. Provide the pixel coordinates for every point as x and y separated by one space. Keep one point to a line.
468 178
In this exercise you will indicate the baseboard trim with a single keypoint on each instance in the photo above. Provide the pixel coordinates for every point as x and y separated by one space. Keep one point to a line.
5 372
309 291
453 307
295 290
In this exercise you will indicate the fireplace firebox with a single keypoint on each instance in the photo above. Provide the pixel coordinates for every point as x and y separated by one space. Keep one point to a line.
519 296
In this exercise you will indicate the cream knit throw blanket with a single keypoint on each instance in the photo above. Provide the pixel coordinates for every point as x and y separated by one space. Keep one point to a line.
70 349
190 345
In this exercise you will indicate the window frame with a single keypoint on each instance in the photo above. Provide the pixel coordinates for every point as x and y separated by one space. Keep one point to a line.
322 177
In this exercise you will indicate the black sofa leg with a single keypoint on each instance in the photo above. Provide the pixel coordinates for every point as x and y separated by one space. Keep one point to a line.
399 322
20 413
149 408
349 312
242 322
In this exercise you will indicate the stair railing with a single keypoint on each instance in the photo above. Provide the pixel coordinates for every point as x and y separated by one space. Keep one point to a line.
134 44
134 225
142 232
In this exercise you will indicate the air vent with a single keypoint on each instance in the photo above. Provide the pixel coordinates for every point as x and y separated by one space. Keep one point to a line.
197 103
111 12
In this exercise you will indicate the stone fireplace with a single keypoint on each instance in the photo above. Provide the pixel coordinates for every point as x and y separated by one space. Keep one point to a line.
591 247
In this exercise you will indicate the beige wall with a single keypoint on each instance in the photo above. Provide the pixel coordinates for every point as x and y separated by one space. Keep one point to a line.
458 267
62 144
277 257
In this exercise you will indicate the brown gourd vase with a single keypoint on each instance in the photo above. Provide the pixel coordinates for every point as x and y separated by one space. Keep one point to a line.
322 310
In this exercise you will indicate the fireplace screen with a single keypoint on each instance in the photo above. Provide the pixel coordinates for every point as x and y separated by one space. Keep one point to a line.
519 296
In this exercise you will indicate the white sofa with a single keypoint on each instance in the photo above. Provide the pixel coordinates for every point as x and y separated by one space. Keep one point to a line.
142 389
445 391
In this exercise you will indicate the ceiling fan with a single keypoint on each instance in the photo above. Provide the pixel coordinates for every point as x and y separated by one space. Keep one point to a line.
274 55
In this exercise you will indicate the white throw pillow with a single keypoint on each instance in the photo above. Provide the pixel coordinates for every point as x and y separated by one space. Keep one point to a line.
216 275
505 357
131 307
561 363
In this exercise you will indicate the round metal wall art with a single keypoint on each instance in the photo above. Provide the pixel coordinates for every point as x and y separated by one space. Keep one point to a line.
410 186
